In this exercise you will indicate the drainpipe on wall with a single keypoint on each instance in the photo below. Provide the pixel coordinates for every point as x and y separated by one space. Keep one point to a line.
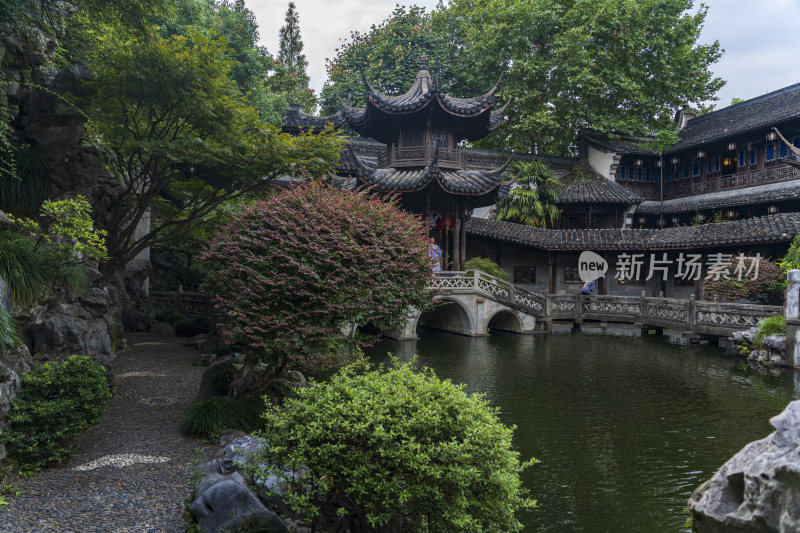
661 187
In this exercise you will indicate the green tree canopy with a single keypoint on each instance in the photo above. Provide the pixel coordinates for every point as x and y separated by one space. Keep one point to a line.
612 65
292 62
184 139
254 70
390 55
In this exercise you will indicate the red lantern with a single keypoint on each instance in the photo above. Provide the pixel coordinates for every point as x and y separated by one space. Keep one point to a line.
448 221
439 224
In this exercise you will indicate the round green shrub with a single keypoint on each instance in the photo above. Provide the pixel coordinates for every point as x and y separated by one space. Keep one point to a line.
173 316
55 402
395 448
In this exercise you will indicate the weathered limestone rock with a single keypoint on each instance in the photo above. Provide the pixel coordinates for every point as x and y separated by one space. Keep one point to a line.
758 489
70 329
776 343
228 503
239 452
14 363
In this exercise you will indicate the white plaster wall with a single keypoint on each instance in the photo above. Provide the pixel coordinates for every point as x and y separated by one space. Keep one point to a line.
601 161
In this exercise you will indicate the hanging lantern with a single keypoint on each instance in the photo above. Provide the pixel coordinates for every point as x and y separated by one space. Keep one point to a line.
439 224
675 221
675 161
639 162
448 221
701 154
773 209
658 163
771 136
727 161
731 147
701 217
642 220
731 213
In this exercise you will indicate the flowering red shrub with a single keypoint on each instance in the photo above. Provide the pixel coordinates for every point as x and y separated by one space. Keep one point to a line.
767 288
290 271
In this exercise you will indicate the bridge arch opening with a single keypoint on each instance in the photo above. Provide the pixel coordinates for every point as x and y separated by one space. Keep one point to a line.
505 320
448 316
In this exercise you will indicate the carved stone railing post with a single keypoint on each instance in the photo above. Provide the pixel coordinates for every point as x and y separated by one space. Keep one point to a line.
642 309
578 307
476 275
691 312
792 313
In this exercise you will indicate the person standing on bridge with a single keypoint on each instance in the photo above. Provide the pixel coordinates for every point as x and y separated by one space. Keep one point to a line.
588 288
435 255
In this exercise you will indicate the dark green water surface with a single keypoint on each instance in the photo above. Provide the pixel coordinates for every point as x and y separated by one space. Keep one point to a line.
625 428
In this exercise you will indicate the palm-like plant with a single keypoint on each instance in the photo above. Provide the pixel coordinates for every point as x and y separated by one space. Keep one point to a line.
532 200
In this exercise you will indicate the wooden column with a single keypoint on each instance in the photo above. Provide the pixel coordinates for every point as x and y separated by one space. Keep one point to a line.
463 239
551 274
457 240
446 252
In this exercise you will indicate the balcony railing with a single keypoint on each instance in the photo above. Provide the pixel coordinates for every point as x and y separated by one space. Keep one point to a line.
739 180
419 156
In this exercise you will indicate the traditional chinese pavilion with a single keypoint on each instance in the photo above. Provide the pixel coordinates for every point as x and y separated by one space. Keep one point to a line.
422 161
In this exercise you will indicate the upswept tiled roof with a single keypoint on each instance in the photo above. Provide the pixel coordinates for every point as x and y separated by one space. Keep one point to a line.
471 118
424 89
461 182
760 112
296 120
759 194
779 228
584 186
618 142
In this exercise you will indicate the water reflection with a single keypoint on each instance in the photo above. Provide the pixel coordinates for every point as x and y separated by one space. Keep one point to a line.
625 428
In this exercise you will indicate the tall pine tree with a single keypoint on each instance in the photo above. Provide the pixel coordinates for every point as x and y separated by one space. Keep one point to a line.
293 61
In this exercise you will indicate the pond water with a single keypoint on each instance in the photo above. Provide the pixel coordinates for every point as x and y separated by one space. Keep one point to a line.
625 428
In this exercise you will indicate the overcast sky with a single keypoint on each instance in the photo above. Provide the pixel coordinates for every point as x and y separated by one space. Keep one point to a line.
759 37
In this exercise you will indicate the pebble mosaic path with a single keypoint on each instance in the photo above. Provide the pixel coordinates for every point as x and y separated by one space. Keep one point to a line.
130 472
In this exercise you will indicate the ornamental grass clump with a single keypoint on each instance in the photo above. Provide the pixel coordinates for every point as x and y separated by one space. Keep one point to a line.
774 325
55 402
290 272
395 448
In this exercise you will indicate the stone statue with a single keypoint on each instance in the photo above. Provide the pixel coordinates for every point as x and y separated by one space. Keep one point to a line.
795 160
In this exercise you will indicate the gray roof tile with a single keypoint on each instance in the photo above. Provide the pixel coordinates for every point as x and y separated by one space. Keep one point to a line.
779 228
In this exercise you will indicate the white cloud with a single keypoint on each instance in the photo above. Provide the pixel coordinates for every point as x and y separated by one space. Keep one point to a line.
759 39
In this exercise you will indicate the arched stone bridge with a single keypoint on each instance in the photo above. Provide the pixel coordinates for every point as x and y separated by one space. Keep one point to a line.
472 303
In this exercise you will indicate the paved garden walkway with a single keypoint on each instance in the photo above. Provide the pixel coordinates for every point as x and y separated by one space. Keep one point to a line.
130 473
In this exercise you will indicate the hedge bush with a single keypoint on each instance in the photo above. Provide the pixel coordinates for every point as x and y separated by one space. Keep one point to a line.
395 448
55 402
